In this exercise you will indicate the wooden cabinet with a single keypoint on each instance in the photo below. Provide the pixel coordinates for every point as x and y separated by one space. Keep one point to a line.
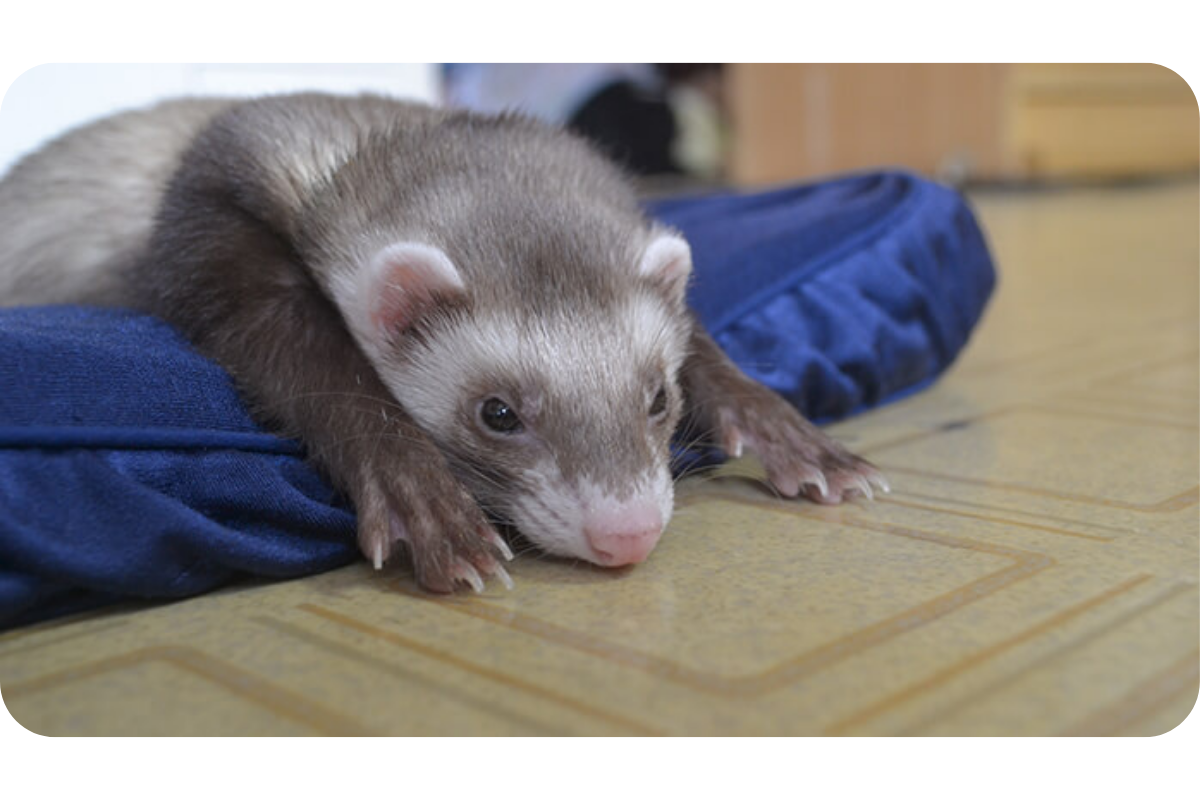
988 121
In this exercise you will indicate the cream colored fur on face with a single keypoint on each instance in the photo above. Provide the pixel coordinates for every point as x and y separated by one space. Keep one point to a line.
552 347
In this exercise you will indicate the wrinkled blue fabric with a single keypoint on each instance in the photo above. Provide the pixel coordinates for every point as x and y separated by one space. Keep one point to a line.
130 469
837 295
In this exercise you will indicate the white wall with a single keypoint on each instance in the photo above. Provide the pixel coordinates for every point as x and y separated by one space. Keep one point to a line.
51 98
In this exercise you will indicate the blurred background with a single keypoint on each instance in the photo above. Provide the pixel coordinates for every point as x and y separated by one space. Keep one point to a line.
745 125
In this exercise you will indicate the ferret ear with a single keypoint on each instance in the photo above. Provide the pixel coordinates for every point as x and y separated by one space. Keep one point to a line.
667 262
403 283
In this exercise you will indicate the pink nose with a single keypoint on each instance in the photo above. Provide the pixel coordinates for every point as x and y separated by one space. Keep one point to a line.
625 535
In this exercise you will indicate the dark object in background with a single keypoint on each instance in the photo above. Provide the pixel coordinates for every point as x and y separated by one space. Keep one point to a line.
634 126
637 124
654 119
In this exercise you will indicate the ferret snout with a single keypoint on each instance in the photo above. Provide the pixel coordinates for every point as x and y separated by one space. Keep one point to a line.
625 534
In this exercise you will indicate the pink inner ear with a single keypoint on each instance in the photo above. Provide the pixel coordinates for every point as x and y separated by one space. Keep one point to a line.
668 262
408 281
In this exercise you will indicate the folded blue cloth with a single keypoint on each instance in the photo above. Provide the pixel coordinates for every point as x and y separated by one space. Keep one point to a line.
839 295
129 468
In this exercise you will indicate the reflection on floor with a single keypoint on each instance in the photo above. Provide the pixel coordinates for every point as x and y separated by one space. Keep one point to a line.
1033 572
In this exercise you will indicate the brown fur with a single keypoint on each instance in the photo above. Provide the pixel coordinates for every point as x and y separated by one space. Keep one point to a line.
235 220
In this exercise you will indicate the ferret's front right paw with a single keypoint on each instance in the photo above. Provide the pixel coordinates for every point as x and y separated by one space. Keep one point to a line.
449 540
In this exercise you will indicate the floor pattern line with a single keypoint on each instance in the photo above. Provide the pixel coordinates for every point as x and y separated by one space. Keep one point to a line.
913 690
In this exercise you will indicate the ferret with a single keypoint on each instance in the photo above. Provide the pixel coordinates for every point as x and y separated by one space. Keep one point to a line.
467 320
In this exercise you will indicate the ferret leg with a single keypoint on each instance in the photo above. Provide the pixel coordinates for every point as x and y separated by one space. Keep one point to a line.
736 412
237 292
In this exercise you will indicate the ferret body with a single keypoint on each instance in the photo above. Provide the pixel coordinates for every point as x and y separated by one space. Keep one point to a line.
466 319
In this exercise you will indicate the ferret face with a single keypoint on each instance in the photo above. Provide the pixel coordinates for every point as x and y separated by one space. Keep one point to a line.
560 424
558 416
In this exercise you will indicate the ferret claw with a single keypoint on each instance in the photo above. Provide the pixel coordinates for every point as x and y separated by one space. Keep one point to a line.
500 545
467 573
864 486
503 575
818 480
378 556
880 483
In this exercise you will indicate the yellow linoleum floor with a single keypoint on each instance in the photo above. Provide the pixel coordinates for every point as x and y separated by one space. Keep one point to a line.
1033 572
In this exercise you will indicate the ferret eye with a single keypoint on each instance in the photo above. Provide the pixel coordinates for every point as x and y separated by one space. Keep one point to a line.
499 416
659 405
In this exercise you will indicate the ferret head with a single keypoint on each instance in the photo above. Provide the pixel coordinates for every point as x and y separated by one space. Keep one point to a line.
553 390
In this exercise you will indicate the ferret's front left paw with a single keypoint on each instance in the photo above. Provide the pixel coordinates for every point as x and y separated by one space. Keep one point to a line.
797 456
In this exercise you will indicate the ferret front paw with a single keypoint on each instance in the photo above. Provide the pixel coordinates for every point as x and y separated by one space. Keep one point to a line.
797 456
449 539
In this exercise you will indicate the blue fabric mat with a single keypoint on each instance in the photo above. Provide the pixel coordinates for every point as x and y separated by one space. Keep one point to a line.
129 469
838 295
